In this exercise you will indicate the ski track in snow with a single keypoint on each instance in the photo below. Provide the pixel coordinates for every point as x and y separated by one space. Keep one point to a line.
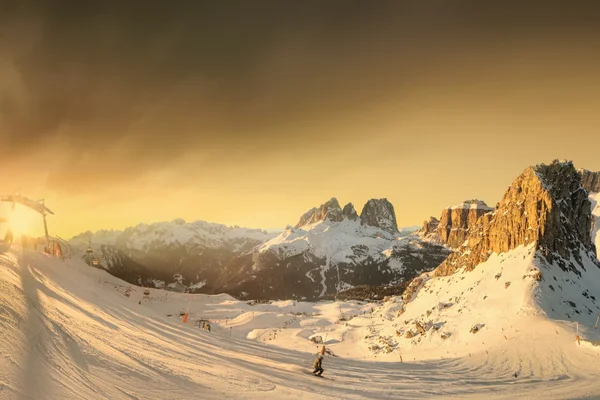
68 332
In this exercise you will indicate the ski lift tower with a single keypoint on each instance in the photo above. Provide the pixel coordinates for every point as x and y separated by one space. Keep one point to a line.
37 206
89 253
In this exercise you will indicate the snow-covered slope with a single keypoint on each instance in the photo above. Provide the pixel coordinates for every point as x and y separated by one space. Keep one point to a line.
500 304
69 332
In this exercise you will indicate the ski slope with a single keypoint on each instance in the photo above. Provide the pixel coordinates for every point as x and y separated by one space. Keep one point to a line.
69 332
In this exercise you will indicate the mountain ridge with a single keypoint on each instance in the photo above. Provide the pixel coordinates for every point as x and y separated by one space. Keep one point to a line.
329 250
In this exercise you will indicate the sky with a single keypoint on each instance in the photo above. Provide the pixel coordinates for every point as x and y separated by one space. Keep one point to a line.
251 112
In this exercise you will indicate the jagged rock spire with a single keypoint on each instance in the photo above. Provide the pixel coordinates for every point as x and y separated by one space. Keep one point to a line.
329 210
379 213
350 212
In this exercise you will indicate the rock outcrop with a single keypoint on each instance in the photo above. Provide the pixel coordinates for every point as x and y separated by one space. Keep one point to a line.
329 210
545 206
430 227
349 212
590 180
455 222
380 214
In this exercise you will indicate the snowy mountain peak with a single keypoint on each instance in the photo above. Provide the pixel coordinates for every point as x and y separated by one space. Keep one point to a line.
173 233
329 210
379 213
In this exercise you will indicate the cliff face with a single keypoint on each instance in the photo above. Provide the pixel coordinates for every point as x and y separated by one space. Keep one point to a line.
547 206
329 210
456 221
379 213
590 181
429 228
452 229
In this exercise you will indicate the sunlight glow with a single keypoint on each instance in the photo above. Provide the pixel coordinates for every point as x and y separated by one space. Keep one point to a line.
21 220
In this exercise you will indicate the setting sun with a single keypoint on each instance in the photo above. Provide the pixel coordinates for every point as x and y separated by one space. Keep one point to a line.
21 220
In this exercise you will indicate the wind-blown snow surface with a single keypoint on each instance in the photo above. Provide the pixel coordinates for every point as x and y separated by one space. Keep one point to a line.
68 332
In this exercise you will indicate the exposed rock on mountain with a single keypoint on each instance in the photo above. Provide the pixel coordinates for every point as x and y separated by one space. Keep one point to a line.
545 206
349 212
527 267
430 227
379 213
330 210
454 224
456 221
590 180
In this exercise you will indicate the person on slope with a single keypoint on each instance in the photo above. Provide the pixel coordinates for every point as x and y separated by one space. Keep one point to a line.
317 365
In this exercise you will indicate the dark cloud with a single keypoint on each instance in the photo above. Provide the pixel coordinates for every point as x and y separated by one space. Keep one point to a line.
140 83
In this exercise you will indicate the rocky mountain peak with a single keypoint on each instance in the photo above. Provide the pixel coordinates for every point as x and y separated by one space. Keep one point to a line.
349 212
547 206
590 180
429 229
329 210
379 213
456 221
430 226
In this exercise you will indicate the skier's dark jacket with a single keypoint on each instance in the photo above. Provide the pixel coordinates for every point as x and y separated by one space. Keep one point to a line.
317 363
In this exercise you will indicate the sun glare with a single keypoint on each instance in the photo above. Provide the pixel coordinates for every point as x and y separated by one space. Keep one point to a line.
20 220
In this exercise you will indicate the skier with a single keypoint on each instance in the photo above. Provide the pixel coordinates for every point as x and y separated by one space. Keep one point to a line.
317 365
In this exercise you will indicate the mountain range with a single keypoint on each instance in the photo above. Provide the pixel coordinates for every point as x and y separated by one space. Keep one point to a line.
332 249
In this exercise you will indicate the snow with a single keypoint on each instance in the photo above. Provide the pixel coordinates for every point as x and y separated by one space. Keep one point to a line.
333 240
176 232
198 285
69 332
